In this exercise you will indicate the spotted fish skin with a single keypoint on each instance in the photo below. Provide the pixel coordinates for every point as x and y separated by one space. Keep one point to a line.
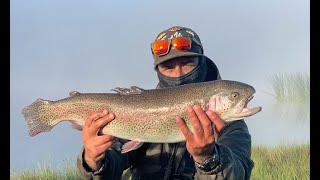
144 115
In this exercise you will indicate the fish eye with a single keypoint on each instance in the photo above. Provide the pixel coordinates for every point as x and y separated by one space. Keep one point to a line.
234 94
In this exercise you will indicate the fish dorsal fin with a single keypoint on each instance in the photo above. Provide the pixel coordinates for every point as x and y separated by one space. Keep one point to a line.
74 93
128 91
137 89
42 101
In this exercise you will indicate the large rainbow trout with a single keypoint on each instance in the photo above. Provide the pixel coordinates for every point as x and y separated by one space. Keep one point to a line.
144 115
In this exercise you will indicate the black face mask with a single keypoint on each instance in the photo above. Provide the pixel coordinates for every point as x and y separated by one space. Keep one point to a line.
198 74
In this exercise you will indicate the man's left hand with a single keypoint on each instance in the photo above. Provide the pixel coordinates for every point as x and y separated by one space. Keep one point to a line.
200 142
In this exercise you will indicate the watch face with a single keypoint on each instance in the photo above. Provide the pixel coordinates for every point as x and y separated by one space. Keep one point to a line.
209 164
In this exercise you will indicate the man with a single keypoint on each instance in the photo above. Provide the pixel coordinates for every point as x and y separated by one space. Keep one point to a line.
215 150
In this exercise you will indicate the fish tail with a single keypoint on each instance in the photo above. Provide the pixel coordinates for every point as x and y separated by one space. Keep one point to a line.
39 118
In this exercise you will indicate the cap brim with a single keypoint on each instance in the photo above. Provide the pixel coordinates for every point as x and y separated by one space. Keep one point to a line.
174 54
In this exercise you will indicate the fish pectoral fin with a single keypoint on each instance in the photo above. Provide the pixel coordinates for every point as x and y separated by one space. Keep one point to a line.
131 145
128 91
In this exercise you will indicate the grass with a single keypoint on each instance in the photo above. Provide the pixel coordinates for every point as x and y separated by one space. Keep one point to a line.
281 162
292 96
46 172
291 87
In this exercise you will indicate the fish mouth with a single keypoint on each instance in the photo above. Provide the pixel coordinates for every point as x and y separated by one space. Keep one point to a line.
246 111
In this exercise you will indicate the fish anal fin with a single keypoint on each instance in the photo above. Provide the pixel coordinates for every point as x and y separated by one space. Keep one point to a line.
74 93
128 91
131 145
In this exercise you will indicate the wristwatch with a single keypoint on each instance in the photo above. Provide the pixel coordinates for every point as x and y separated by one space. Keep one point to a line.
209 164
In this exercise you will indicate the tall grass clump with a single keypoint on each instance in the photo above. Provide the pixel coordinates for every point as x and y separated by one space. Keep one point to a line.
46 172
292 96
281 162
291 87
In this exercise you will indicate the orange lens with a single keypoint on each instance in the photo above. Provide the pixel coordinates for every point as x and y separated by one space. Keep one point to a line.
181 43
160 47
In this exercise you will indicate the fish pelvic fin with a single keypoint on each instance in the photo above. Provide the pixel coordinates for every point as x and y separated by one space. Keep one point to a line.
76 125
128 91
39 118
131 145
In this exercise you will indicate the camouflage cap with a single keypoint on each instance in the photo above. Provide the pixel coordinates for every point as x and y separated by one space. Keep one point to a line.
178 31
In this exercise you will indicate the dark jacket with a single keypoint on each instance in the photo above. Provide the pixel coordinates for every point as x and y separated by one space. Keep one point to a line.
172 161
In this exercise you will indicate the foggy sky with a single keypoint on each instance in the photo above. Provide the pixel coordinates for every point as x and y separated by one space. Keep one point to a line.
94 46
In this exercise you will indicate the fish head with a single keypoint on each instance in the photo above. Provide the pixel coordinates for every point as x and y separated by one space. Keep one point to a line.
231 99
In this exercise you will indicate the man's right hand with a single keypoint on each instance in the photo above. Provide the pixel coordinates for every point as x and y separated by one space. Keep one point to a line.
95 145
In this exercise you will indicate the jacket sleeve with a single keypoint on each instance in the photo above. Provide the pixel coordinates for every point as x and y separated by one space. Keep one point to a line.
112 168
233 148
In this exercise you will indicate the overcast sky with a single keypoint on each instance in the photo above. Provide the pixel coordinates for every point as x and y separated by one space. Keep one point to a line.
93 46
